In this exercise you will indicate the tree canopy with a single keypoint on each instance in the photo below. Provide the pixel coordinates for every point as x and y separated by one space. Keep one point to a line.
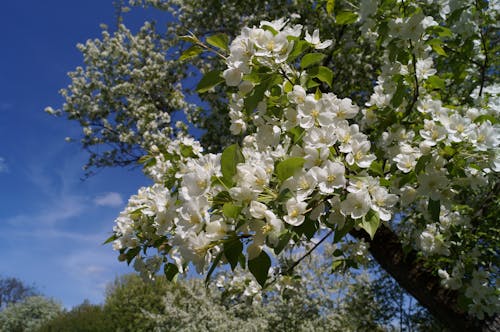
324 120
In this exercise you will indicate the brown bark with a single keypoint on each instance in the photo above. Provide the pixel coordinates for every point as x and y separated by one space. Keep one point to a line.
409 271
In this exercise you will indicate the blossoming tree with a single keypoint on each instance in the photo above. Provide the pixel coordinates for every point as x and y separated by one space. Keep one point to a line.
378 122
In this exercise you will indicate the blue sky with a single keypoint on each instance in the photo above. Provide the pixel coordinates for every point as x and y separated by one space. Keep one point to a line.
52 224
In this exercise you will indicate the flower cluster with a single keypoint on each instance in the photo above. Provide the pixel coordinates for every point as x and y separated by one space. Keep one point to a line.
310 160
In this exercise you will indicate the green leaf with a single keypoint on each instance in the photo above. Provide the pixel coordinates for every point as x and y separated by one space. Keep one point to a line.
311 59
436 82
259 267
288 167
421 163
221 198
191 52
308 228
219 40
252 101
283 240
132 253
170 270
346 17
440 31
486 117
299 47
297 134
232 251
397 98
330 6
376 168
434 208
231 156
436 46
209 80
231 211
370 223
284 195
341 232
407 178
324 74
338 265
110 239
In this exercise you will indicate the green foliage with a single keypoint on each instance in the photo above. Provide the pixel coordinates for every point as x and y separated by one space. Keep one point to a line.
259 267
129 296
230 158
288 167
209 81
311 59
219 40
370 223
85 317
346 17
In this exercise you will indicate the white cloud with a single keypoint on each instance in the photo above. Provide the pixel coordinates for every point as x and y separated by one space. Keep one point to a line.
111 199
59 209
3 165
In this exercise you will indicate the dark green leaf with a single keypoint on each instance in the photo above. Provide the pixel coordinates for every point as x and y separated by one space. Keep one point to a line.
132 253
288 167
434 208
421 163
324 74
259 267
232 250
397 98
170 271
284 195
308 228
376 168
252 101
407 178
284 239
209 80
221 198
299 47
341 232
311 59
219 40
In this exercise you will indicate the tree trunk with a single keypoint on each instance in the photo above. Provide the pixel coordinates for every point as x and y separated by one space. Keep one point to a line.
409 271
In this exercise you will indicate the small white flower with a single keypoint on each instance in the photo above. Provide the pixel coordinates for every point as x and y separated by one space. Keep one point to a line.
356 204
296 210
315 42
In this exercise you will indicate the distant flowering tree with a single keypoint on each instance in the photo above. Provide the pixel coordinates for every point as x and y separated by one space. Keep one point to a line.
386 131
29 314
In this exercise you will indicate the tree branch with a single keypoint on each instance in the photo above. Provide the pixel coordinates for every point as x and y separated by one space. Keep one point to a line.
409 271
